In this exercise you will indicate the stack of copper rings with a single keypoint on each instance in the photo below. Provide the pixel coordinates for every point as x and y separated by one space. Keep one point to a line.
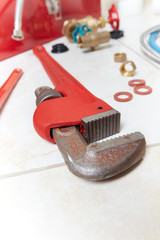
138 85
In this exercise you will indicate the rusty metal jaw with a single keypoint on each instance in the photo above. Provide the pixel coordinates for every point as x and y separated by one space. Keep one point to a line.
98 161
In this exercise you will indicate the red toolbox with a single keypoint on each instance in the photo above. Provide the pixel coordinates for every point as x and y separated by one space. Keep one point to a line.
38 25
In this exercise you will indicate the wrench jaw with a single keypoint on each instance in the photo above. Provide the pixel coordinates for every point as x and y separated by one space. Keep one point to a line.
102 125
98 161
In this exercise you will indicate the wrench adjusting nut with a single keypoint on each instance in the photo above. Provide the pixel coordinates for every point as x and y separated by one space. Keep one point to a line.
45 93
128 98
119 57
125 72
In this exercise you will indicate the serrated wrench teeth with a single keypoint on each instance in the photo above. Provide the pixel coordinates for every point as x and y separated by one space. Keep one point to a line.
98 161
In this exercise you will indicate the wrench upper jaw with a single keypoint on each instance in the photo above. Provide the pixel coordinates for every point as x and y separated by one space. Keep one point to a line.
99 161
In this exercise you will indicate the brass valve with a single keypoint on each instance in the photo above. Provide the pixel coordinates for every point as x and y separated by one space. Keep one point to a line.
92 23
93 39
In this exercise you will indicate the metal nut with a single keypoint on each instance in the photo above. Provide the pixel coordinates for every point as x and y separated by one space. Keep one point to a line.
125 72
120 57
45 93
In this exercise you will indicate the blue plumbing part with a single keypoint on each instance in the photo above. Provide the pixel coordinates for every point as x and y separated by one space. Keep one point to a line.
75 33
80 30
152 41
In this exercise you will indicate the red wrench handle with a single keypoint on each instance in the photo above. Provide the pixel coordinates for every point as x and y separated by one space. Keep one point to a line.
64 82
8 86
69 110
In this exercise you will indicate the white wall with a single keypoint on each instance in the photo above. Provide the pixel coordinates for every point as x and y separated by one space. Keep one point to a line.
105 5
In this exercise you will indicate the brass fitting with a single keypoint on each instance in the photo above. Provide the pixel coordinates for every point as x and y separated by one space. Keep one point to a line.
92 23
125 72
93 39
119 57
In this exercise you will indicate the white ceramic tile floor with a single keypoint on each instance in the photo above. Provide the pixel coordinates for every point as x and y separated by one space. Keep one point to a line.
54 204
136 25
41 203
27 151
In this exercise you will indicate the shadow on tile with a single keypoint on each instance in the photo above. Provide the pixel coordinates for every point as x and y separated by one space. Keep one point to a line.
99 48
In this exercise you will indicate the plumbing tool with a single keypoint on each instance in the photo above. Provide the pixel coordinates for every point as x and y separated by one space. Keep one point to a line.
75 119
8 86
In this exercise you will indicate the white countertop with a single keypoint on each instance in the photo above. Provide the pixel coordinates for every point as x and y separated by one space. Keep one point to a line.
40 198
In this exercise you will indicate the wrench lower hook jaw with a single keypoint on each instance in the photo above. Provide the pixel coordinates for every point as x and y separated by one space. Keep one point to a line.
99 161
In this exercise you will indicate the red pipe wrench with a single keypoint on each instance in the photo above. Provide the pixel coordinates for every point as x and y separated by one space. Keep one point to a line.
76 104
75 119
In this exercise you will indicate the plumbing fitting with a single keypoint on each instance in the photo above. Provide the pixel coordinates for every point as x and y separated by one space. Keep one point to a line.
125 72
120 57
92 23
128 98
136 83
79 31
59 48
116 34
17 32
54 8
136 90
140 84
93 39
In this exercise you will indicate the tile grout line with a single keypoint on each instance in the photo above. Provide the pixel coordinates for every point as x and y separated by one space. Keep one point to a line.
41 169
36 170
153 145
